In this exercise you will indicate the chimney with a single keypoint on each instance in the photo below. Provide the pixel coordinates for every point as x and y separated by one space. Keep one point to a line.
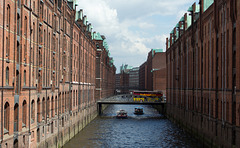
185 21
85 20
81 14
166 43
171 39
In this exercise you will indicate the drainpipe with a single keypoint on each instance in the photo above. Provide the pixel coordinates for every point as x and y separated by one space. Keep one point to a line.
2 132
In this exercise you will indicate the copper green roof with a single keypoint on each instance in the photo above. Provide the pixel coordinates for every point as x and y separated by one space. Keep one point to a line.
177 25
98 36
182 19
207 4
156 51
190 9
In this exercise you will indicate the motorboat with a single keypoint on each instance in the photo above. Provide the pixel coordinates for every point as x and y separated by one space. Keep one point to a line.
138 110
121 114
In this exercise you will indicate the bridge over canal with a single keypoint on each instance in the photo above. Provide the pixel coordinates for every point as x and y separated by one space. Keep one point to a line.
128 99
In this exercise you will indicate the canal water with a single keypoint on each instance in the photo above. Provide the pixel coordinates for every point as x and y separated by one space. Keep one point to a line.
149 130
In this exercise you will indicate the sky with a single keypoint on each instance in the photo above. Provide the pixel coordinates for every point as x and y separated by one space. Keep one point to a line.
133 27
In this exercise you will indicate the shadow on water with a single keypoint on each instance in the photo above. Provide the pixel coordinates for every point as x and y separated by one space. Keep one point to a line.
148 130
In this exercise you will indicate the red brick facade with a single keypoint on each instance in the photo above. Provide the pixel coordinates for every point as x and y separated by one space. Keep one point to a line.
48 72
152 73
105 71
203 73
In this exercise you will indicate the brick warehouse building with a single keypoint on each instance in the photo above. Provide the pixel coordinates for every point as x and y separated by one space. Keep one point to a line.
152 73
105 70
203 72
48 78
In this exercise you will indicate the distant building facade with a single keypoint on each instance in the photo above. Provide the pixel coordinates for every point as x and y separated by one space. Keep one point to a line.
134 79
152 73
123 79
143 76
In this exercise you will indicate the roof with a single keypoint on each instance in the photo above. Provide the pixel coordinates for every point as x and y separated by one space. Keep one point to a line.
98 36
207 4
156 51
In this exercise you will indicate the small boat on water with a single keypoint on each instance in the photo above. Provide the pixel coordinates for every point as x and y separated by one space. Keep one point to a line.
138 110
121 114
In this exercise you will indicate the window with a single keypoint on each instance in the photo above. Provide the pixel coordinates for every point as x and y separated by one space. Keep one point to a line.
38 110
24 113
52 109
18 24
8 17
38 135
8 26
24 78
33 6
6 117
48 104
7 76
25 33
56 105
43 108
33 111
16 117
19 4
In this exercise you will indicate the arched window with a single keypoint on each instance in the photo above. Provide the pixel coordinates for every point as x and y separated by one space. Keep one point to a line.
25 33
38 135
33 6
56 105
6 117
15 143
73 98
48 105
38 111
24 113
24 78
7 76
32 111
8 27
43 108
52 105
8 16
16 117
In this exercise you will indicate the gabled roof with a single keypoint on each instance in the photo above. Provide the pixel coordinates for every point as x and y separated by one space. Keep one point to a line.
97 36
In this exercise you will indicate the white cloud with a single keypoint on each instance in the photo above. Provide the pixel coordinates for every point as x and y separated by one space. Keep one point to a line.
133 27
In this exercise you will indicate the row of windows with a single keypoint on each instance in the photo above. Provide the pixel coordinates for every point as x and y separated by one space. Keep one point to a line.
46 108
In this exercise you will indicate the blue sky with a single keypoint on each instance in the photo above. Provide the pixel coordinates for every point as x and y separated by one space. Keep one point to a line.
134 27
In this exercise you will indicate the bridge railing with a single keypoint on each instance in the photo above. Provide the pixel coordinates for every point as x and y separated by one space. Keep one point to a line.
130 98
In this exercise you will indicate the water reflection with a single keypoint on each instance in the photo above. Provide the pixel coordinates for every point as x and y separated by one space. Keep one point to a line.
147 130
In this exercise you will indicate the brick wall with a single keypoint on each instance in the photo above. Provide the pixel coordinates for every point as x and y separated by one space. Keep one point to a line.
203 75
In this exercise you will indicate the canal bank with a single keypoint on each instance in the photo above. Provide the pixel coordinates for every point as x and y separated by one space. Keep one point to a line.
66 131
179 118
197 125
